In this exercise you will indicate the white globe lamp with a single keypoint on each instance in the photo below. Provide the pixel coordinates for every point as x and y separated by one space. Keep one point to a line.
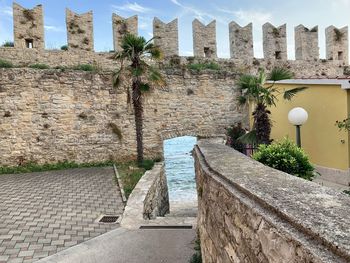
298 116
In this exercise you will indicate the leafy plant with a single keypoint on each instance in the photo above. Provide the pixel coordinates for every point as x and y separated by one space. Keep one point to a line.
134 50
285 156
233 133
64 47
5 64
34 167
346 192
338 34
8 44
261 91
116 131
344 124
39 66
203 66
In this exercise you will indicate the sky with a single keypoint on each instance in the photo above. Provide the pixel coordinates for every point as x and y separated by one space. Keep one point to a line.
293 12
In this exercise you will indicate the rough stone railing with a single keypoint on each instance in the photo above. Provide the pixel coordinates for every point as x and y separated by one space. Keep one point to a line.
148 200
252 213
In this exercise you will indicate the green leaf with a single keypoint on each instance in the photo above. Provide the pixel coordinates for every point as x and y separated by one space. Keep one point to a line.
242 100
248 138
145 87
280 74
289 94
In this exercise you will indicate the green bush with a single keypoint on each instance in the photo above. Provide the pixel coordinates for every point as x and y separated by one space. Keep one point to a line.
204 66
147 164
346 192
39 66
85 67
285 156
5 64
8 44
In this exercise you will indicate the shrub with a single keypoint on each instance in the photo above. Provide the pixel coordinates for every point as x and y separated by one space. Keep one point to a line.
346 192
85 67
147 164
64 47
5 64
285 156
39 66
8 44
233 133
204 66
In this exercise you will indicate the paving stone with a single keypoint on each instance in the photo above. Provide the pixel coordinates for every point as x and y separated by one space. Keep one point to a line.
37 223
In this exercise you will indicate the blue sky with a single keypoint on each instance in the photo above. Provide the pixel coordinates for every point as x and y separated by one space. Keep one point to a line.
309 13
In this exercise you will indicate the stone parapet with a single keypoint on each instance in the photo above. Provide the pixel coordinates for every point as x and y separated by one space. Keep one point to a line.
249 212
148 200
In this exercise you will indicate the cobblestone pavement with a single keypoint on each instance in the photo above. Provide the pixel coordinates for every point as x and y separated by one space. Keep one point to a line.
44 213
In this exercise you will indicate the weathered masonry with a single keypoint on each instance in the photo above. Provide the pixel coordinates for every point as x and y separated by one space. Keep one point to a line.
29 33
249 212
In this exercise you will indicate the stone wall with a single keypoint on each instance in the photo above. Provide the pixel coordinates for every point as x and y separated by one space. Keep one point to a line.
121 27
275 42
148 200
80 30
166 36
337 44
53 115
252 213
306 43
204 39
28 27
241 41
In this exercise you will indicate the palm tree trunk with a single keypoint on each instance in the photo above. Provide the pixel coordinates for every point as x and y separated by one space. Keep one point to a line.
138 112
262 124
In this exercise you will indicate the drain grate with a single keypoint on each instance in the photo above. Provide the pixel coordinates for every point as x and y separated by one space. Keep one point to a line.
109 219
166 227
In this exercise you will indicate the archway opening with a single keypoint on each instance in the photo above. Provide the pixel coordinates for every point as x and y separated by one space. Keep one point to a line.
179 169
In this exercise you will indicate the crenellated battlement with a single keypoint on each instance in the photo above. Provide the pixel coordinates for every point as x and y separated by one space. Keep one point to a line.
121 27
29 34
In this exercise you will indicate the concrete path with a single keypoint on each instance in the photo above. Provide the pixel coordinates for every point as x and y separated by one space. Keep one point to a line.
131 246
44 213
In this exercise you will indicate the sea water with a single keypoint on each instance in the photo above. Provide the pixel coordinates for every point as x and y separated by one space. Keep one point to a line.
179 169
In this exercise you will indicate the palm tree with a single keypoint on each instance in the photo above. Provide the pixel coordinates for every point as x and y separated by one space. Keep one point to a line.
261 91
135 51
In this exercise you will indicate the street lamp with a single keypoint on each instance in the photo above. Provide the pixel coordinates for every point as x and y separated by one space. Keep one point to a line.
297 116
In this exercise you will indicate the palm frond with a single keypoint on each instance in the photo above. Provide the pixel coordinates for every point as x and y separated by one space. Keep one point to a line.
144 87
289 94
280 74
117 78
242 100
156 77
248 138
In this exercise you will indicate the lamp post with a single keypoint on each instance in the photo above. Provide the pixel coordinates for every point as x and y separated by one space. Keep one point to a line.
297 116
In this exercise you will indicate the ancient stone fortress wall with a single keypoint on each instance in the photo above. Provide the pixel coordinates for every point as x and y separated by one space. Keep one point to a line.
121 27
50 116
80 30
29 34
166 36
306 43
28 26
204 39
249 212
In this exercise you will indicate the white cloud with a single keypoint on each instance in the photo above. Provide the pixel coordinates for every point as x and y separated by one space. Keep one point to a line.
132 7
53 28
253 16
199 14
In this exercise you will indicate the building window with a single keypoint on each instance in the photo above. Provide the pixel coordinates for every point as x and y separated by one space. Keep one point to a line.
29 43
340 55
278 55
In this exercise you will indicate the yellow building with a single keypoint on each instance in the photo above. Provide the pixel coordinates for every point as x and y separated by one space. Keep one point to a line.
326 101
